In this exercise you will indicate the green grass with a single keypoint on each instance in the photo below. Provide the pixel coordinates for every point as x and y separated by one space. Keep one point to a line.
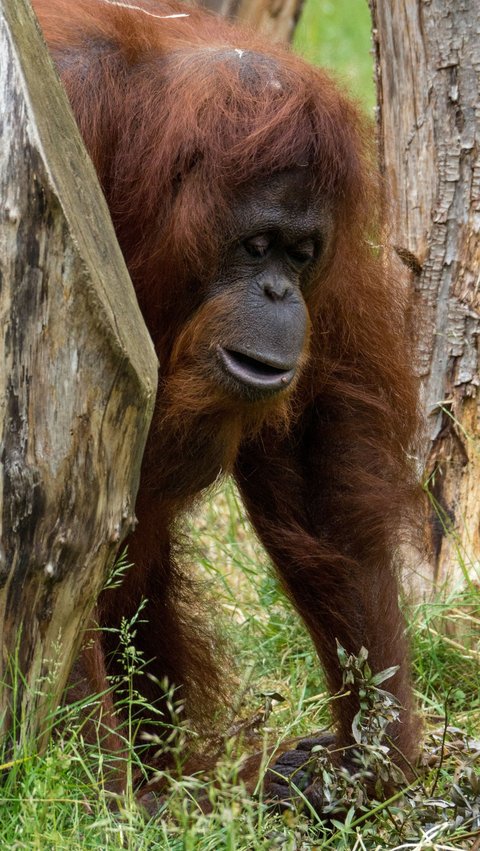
337 35
60 800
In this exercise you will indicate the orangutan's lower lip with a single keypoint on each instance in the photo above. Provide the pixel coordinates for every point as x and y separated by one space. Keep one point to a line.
260 372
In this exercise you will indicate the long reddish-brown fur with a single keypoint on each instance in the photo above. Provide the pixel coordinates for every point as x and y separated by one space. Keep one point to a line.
326 472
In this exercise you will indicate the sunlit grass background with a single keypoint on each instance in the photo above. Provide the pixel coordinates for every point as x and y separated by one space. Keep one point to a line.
337 35
58 800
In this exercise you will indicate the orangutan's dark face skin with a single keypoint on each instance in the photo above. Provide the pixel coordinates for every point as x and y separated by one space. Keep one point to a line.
280 233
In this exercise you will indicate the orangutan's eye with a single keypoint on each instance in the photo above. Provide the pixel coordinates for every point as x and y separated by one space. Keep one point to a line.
258 246
303 252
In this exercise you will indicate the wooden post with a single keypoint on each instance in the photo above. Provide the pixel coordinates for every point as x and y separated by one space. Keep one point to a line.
77 381
428 76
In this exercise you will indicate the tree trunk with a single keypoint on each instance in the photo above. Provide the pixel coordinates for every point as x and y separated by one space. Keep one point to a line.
428 78
77 383
276 18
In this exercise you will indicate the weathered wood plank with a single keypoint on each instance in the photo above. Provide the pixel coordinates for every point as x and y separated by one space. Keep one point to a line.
77 379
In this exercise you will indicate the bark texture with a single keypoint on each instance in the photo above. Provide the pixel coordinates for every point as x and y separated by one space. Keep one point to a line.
428 76
77 382
276 18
